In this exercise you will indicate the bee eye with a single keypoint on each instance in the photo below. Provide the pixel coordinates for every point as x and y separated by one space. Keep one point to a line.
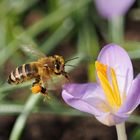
57 66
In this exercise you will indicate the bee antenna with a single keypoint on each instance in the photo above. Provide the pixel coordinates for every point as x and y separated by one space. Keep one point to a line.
71 66
71 59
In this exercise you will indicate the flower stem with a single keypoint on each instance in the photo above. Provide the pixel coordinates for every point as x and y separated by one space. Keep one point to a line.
121 132
116 29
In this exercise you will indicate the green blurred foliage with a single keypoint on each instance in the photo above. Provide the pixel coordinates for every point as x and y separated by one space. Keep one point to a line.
48 26
135 135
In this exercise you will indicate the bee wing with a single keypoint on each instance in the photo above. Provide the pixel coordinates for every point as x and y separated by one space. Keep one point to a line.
33 50
54 82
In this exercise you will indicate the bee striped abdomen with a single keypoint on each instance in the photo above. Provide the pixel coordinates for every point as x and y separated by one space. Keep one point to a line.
23 73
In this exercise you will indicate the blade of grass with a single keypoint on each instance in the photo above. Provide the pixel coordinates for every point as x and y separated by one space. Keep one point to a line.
21 120
20 6
88 44
134 54
10 108
58 36
16 109
134 119
133 48
5 88
7 51
56 16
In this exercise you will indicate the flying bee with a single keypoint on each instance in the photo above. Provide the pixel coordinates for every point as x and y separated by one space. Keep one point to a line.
41 70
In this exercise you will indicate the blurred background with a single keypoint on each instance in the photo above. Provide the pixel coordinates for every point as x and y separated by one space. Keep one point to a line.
72 29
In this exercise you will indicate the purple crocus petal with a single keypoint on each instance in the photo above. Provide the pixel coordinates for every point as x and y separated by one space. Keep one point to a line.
133 97
85 97
116 57
112 119
113 8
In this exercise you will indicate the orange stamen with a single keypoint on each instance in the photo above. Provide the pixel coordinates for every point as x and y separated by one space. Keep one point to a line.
101 67
111 90
115 87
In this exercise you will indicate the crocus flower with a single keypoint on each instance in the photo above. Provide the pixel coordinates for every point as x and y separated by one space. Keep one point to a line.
115 94
113 8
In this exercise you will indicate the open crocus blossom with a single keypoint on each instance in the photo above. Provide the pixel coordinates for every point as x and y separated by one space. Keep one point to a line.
113 8
115 95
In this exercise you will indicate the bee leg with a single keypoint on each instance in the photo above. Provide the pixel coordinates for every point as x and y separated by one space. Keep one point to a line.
36 86
44 93
37 81
43 90
65 74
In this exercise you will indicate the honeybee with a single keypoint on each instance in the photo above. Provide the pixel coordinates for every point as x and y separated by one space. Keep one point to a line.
41 70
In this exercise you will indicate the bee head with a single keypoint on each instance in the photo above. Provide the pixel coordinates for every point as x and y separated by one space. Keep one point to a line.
58 64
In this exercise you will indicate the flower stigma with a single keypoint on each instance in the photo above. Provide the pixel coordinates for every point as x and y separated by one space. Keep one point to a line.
111 89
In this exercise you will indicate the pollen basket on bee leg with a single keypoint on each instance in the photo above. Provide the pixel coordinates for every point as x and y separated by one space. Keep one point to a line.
36 89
